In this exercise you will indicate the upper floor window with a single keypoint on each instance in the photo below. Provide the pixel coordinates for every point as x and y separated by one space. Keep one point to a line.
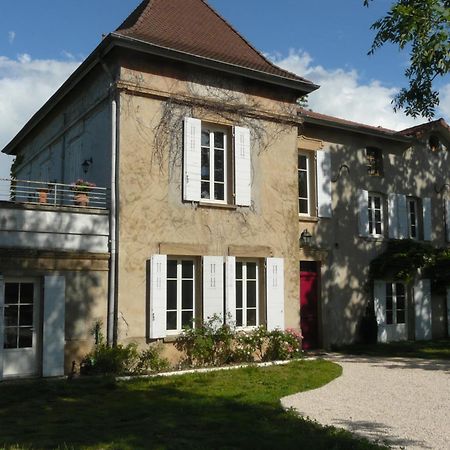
413 221
304 192
376 215
210 151
374 161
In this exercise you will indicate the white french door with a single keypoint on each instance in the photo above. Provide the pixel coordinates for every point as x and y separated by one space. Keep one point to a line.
19 322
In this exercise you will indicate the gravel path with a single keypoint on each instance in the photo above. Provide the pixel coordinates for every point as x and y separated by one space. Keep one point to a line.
401 402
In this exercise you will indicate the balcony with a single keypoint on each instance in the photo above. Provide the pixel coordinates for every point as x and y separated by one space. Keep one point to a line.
53 216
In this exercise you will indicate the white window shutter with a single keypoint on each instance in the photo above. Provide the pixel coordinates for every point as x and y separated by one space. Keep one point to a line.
426 210
363 212
275 293
192 159
242 164
447 220
158 296
422 307
2 306
54 326
323 170
212 286
393 216
230 290
402 216
379 301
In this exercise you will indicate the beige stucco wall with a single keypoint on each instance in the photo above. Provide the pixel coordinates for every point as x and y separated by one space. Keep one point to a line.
151 210
413 171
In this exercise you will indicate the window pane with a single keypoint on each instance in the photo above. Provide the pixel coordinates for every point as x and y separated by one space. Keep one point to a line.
389 303
389 317
303 206
377 215
187 269
401 316
205 138
219 139
377 201
187 297
171 294
219 191
26 315
239 270
378 229
11 315
187 319
205 164
205 190
251 293
25 338
238 294
172 320
26 292
302 185
239 318
400 289
251 317
302 162
219 166
10 338
389 290
171 268
400 302
11 293
251 271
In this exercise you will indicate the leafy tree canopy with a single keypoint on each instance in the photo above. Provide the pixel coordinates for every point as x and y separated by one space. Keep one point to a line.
423 26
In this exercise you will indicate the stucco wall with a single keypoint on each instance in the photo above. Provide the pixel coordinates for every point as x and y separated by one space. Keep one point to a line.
413 171
151 207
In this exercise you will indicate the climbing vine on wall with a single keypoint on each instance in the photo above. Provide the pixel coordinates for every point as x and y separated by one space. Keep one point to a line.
402 260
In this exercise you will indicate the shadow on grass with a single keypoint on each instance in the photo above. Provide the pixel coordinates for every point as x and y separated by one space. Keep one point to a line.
156 414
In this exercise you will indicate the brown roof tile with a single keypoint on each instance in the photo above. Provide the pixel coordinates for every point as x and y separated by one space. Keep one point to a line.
419 130
193 27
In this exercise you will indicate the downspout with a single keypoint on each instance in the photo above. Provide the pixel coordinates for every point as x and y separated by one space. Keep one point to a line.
112 292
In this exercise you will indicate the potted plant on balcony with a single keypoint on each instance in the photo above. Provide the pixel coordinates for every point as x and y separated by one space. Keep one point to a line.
81 189
43 192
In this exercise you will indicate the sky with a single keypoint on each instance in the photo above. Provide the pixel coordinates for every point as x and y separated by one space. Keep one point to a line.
326 41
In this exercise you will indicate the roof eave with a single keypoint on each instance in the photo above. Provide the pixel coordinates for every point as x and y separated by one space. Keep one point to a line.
358 129
303 87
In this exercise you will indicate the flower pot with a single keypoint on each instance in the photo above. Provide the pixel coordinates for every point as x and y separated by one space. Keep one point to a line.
81 199
43 195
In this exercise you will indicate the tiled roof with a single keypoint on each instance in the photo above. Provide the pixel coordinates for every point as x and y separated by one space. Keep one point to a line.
193 27
418 130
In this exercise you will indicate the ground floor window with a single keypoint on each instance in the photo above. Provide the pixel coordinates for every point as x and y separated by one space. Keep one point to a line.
247 294
395 303
180 307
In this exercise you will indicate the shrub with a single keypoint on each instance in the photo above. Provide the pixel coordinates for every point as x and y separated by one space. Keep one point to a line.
150 360
283 345
249 345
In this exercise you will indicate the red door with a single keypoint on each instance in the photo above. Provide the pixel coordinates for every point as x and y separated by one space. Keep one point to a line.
308 309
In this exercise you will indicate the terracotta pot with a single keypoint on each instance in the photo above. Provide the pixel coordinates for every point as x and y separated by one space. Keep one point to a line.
43 195
81 199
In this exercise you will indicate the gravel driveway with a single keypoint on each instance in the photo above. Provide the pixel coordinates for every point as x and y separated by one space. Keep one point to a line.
401 402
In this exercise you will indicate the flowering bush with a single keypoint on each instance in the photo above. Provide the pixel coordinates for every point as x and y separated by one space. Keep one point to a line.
283 345
82 186
249 345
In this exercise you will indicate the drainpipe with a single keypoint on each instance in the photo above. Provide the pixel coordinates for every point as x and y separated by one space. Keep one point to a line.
112 295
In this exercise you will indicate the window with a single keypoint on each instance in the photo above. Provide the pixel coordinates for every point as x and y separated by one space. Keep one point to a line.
395 303
180 301
304 203
374 161
413 224
214 164
376 216
247 294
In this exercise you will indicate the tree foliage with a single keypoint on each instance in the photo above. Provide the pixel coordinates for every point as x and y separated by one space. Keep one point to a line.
423 27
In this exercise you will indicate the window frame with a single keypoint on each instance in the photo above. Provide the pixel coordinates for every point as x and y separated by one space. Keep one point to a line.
395 310
179 301
415 201
310 179
244 280
213 128
371 215
374 162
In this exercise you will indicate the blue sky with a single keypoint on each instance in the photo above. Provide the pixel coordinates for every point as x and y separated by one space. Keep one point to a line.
326 41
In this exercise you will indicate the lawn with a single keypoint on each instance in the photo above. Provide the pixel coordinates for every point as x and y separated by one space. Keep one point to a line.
439 349
218 410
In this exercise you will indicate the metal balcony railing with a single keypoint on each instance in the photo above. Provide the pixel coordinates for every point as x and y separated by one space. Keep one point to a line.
53 194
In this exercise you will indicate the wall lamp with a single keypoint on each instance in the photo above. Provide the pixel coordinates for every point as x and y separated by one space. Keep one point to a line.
305 239
86 164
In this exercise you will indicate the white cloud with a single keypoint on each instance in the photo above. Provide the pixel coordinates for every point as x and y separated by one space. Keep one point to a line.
11 36
444 105
25 85
342 94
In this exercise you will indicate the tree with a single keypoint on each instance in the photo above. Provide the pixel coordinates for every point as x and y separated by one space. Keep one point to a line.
422 26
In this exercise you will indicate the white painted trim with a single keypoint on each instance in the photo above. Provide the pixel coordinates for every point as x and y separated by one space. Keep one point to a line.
192 159
158 296
323 171
212 287
275 293
242 167
230 290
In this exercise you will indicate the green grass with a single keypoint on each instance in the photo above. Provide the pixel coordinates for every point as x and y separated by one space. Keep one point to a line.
218 410
413 349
